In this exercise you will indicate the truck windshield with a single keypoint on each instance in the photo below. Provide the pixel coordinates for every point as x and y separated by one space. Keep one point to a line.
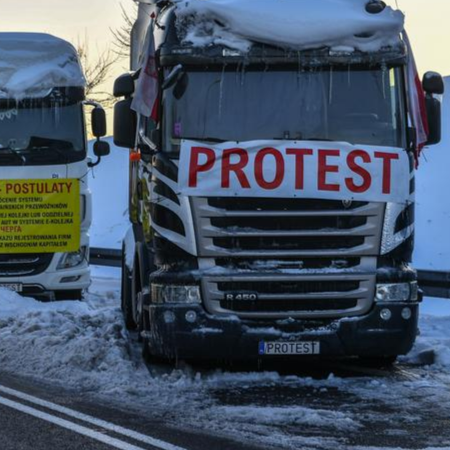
41 135
354 105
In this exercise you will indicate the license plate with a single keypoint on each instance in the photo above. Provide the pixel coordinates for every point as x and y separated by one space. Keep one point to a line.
289 348
16 287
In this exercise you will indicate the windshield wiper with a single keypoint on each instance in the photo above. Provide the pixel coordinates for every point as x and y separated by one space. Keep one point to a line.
54 145
55 150
219 141
15 153
319 139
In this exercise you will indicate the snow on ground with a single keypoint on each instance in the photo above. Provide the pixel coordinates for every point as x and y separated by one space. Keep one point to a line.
33 63
84 346
345 24
109 185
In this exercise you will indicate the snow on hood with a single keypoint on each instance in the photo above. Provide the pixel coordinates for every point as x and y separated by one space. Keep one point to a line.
296 24
31 64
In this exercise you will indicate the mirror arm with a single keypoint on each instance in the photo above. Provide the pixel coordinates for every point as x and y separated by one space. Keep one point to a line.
93 103
96 163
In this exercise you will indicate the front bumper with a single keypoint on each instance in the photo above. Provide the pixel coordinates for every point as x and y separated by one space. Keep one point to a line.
210 337
53 280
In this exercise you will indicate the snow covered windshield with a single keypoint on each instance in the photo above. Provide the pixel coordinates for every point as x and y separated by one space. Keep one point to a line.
353 105
41 134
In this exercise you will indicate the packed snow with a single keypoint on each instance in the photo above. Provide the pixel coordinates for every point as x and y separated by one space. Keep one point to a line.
31 64
85 346
345 24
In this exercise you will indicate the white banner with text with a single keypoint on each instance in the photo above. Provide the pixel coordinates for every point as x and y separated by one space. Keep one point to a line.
291 169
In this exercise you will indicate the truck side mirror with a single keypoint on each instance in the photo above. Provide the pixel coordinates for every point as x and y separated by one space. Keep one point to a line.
434 120
101 148
124 86
98 122
125 124
433 84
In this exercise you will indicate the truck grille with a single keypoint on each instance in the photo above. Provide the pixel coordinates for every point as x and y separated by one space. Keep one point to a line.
278 296
302 258
249 227
20 265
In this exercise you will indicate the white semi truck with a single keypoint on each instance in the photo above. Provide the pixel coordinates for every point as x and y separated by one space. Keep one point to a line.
45 201
272 188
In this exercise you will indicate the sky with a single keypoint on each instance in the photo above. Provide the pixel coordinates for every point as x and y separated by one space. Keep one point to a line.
428 25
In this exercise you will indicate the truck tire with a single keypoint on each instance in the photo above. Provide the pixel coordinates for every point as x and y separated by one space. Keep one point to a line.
136 288
126 305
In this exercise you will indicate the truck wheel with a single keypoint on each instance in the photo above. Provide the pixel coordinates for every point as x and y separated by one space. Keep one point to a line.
146 354
136 298
126 295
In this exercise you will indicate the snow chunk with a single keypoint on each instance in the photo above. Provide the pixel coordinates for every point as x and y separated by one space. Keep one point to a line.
32 64
295 24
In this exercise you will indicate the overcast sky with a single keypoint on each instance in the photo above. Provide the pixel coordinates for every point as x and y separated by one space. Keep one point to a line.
428 23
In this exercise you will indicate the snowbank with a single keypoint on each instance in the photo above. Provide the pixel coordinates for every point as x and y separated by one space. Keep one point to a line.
296 24
432 250
31 64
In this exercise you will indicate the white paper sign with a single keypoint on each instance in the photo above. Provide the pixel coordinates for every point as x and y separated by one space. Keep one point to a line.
290 169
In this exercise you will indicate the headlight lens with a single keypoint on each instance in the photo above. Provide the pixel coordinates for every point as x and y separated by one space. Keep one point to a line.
390 239
73 259
398 292
175 294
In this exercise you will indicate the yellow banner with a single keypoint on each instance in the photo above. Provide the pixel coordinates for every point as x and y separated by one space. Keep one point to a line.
39 216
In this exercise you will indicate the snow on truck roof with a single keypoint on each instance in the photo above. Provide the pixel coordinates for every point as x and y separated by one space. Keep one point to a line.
32 64
345 25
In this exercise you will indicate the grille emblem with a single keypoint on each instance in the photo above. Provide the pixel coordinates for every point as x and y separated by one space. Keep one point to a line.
347 203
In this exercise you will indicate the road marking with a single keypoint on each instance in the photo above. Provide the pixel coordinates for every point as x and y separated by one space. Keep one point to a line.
113 442
157 443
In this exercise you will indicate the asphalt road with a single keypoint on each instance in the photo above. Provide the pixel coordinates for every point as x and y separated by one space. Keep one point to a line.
38 417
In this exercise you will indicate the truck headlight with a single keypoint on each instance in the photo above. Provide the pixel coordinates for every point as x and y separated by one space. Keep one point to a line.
72 259
397 292
391 239
175 294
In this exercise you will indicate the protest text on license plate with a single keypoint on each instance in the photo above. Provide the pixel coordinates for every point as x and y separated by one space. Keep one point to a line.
289 348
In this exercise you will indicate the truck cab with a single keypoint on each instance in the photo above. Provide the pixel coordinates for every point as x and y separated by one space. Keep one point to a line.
43 139
246 275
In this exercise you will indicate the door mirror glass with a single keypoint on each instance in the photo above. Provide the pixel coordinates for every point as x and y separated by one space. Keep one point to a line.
98 122
101 148
125 124
433 83
124 86
434 120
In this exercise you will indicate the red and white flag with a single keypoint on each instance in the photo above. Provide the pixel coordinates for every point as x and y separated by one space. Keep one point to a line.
145 100
417 105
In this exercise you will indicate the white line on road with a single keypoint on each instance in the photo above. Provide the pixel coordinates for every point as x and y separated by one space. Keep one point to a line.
157 443
117 443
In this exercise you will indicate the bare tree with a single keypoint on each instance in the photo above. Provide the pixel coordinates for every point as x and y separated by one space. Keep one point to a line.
122 35
96 71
